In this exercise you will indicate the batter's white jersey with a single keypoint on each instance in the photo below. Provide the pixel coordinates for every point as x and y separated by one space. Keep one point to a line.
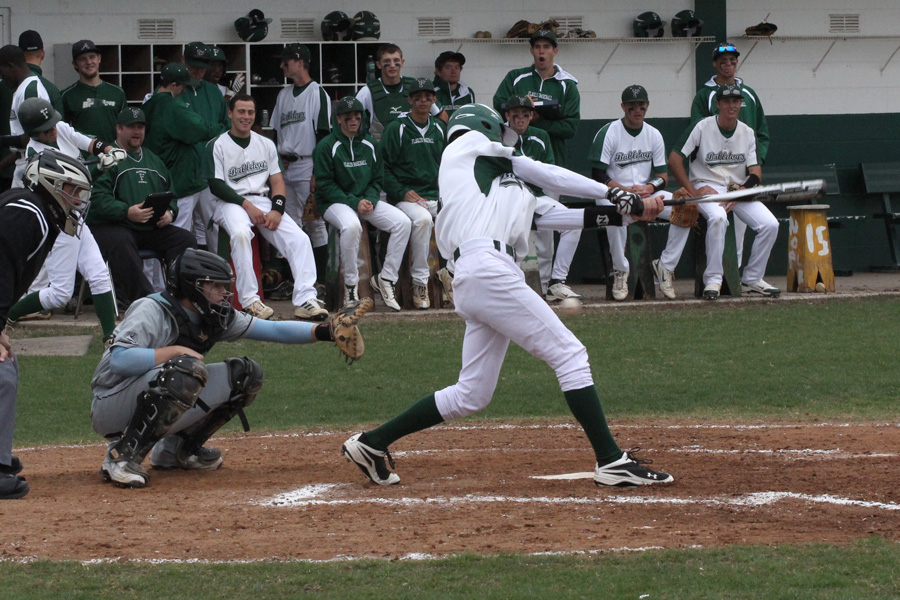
246 170
720 159
296 120
68 142
630 159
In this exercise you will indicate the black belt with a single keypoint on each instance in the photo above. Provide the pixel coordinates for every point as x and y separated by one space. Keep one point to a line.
499 246
291 157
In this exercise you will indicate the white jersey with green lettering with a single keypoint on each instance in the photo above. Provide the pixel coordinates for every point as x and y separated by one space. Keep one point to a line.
721 158
630 158
246 170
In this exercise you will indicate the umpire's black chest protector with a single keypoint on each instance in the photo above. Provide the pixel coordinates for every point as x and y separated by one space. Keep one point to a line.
199 337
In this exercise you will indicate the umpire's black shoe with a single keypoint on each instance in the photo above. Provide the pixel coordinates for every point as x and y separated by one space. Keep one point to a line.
370 461
13 468
629 471
12 487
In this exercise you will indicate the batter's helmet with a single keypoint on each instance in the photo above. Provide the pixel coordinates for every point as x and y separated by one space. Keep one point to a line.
48 171
686 24
484 119
336 26
648 24
187 275
254 27
36 115
366 26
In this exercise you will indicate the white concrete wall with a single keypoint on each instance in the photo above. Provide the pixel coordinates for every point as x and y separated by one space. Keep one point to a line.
848 81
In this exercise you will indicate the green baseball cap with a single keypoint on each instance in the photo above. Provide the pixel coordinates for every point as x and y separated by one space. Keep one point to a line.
729 91
635 93
518 102
544 34
176 73
131 115
197 54
296 52
348 104
421 85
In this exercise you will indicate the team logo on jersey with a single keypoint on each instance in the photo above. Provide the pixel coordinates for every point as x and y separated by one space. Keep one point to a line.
293 116
624 159
539 95
509 179
248 169
356 163
724 157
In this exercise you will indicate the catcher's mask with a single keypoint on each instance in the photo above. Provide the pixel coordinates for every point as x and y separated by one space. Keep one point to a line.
188 274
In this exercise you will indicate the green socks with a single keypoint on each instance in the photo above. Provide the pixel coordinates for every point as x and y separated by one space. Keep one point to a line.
26 306
421 415
105 307
585 405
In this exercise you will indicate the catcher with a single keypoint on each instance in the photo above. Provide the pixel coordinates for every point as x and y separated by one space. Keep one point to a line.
153 388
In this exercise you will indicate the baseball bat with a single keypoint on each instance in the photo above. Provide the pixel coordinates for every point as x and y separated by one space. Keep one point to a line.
792 191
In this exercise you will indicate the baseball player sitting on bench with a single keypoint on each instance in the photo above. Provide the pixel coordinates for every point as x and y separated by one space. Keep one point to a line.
152 388
723 152
484 222
242 167
349 179
411 149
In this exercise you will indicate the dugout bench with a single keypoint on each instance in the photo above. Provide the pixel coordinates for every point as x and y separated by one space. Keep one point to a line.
884 179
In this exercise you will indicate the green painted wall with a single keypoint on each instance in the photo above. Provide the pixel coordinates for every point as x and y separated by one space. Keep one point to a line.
845 140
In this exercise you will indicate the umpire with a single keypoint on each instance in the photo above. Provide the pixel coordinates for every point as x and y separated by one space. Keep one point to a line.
55 196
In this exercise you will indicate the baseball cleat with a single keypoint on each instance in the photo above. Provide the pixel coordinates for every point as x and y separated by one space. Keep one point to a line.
711 291
351 294
124 473
386 290
629 471
760 287
558 290
620 285
420 297
310 311
13 468
259 310
445 277
13 487
370 461
665 278
164 456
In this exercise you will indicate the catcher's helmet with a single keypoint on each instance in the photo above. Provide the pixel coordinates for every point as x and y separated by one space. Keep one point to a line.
336 26
254 27
45 173
366 26
686 24
185 280
478 117
648 24
36 115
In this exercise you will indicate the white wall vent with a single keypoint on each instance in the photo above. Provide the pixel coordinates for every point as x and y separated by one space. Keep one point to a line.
156 29
843 23
567 24
434 27
298 29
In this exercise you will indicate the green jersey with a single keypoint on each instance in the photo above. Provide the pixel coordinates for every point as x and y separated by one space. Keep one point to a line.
52 90
535 143
93 109
126 184
449 99
412 156
384 103
561 87
751 113
347 170
172 131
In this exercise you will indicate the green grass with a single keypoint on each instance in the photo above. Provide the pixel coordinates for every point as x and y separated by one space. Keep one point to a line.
866 570
834 360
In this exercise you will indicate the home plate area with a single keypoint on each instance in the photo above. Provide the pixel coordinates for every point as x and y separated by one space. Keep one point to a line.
477 487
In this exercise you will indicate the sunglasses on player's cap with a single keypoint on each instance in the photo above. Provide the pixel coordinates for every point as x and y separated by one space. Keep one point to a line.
725 49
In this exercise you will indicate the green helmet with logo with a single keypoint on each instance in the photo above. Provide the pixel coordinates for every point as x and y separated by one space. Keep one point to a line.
336 26
686 24
366 26
253 27
37 115
648 25
484 119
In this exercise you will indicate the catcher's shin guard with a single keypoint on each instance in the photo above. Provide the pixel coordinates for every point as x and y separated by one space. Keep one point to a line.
174 392
246 379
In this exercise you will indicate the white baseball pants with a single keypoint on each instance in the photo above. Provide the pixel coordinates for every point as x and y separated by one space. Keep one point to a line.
56 280
421 216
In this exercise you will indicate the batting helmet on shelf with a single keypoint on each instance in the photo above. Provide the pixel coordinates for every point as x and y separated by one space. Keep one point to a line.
648 25
336 26
253 27
366 26
686 24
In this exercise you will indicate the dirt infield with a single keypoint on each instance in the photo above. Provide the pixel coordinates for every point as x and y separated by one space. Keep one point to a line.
468 487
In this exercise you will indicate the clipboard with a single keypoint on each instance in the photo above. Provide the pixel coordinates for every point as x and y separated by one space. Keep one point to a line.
159 202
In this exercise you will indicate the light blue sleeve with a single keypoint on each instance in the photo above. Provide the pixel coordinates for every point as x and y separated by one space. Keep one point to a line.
283 332
129 362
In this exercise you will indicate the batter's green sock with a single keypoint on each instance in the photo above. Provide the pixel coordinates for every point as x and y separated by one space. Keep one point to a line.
585 405
105 307
421 415
28 305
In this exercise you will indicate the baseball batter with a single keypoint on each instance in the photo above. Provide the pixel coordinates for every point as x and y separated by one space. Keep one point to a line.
484 221
723 152
242 168
301 118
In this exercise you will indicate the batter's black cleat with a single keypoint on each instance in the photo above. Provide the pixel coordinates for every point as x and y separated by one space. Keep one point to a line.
629 471
370 461
12 487
13 468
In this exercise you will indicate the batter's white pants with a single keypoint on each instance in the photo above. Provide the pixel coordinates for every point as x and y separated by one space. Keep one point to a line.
547 211
288 239
386 218
490 293
296 193
56 280
421 216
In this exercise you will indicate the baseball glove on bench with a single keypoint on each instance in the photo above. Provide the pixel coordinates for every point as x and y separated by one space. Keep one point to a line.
344 330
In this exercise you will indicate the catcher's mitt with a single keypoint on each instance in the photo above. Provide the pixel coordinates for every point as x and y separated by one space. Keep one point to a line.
271 278
310 209
684 215
762 28
344 331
